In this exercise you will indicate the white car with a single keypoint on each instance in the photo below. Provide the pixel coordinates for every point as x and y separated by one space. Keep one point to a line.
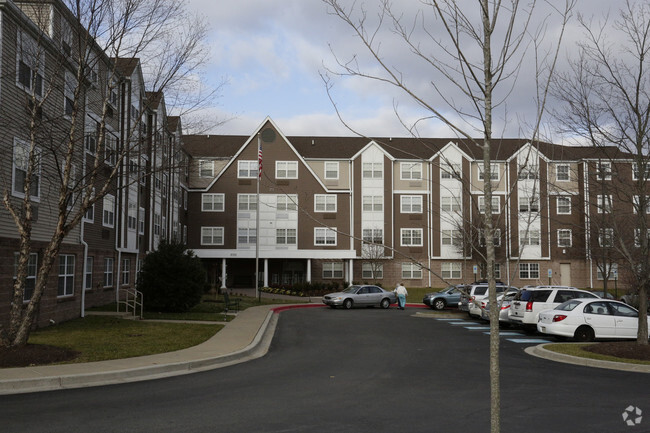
504 300
525 308
588 319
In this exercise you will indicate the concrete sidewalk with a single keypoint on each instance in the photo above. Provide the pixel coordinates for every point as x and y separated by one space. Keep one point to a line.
246 337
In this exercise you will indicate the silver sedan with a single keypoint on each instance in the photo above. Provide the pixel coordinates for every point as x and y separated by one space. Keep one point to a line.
360 296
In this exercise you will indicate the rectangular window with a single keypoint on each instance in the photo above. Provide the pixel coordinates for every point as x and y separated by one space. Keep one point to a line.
331 170
411 271
451 237
285 236
373 236
411 203
141 220
372 270
637 237
333 270
562 172
450 204
247 169
564 238
450 171
610 269
69 86
30 282
206 168
108 212
606 237
324 236
21 167
604 171
110 149
66 275
411 170
636 204
286 170
126 271
88 276
247 202
411 237
529 237
246 236
211 235
496 204
373 170
30 64
528 172
604 203
132 217
212 202
324 203
108 272
494 172
287 202
496 237
373 203
451 270
529 271
636 171
529 204
563 205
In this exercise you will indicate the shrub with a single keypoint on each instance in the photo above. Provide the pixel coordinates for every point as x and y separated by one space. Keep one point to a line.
172 279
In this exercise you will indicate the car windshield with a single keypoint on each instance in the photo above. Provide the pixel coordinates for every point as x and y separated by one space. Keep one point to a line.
351 289
568 305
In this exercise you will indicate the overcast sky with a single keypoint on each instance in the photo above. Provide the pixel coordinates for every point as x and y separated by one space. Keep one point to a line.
274 53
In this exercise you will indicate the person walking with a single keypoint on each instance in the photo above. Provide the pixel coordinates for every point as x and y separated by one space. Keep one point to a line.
401 293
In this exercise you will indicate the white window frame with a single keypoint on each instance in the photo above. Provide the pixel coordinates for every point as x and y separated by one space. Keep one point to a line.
411 237
496 237
411 204
32 272
141 220
410 171
332 270
246 235
529 271
529 203
610 269
528 172
246 202
206 168
286 236
109 265
126 271
451 237
286 169
287 202
108 211
69 86
372 270
213 202
331 170
529 237
636 171
20 163
636 203
373 203
212 236
606 234
604 168
450 203
66 275
561 178
110 149
373 236
559 206
451 270
564 238
450 171
30 54
637 237
247 169
411 271
373 170
496 204
604 203
495 174
325 236
325 203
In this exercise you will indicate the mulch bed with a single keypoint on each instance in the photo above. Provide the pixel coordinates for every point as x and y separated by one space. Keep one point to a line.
621 349
34 354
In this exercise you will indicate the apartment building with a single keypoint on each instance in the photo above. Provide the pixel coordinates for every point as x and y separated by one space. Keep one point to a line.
353 209
125 146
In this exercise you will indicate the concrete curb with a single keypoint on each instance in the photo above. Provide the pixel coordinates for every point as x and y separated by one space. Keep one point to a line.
541 352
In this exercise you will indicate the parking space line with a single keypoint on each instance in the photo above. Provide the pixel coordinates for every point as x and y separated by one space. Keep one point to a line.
528 340
477 328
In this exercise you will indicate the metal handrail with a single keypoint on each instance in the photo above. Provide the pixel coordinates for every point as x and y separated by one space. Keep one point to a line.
134 300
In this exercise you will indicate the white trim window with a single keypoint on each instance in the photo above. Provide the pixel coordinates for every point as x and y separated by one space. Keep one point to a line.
372 270
529 237
247 169
411 204
90 135
211 235
606 237
30 64
206 168
410 171
126 271
108 211
563 205
611 269
604 170
450 204
450 171
411 237
562 172
88 276
604 203
411 271
132 216
212 202
66 275
451 270
373 236
637 204
287 202
451 238
324 203
246 202
110 149
246 236
529 203
20 169
141 220
108 271
286 169
496 204
496 236
564 238
373 203
325 236
332 270
285 236
331 170
636 172
69 86
529 271
637 237
528 172
32 268
373 170
494 172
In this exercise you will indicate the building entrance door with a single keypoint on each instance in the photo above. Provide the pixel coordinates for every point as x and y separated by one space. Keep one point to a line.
565 274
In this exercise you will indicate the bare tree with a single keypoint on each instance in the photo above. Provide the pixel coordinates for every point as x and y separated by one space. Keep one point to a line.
473 56
606 94
75 48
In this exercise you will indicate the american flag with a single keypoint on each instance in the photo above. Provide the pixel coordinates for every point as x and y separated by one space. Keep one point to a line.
259 156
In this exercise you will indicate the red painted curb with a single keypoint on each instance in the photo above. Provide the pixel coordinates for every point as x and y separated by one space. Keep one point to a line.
277 310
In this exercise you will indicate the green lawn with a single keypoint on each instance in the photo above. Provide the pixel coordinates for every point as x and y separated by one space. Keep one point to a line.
574 349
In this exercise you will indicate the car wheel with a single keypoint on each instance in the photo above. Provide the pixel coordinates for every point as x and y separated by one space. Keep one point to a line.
439 304
385 303
584 333
347 304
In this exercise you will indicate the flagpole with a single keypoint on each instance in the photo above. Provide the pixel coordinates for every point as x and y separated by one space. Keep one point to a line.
258 294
